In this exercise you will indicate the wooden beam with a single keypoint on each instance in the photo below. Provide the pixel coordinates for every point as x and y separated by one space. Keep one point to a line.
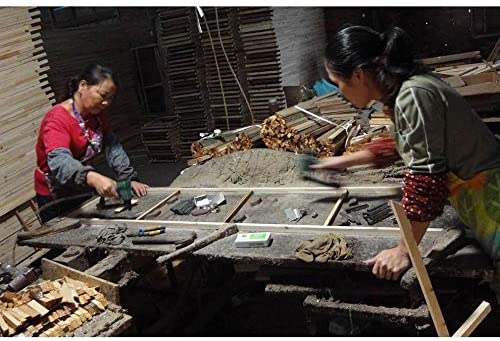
360 191
474 320
418 264
250 227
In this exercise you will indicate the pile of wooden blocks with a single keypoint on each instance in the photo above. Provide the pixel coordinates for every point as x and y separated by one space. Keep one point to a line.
50 308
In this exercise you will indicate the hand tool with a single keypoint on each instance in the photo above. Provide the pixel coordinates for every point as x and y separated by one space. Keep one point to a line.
148 232
222 232
124 190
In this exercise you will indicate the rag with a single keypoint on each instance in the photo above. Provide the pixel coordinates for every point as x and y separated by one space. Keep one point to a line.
324 248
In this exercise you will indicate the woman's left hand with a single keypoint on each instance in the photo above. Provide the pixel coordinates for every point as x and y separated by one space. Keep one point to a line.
139 188
390 263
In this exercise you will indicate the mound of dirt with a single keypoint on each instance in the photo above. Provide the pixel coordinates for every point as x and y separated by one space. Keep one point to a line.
265 167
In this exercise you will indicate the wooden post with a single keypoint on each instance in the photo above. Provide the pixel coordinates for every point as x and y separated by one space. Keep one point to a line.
335 210
418 264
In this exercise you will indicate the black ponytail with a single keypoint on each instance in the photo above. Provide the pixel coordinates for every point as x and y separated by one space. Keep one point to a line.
389 55
93 74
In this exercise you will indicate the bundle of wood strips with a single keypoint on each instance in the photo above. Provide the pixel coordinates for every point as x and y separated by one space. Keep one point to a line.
227 142
324 132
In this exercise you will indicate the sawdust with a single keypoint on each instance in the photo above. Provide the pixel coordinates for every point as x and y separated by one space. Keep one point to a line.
264 167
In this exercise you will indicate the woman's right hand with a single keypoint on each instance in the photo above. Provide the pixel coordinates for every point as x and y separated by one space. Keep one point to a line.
104 186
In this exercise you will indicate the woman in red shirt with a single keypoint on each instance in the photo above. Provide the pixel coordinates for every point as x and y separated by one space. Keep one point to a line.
71 134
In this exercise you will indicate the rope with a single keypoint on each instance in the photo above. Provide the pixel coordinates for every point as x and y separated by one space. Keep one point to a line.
231 68
218 71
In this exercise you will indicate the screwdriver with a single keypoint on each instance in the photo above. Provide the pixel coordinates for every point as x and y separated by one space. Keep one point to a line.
148 232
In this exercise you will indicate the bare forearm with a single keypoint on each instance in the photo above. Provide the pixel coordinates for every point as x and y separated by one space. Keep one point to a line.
361 157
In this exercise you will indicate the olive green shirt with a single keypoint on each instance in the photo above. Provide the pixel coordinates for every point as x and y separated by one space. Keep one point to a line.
437 130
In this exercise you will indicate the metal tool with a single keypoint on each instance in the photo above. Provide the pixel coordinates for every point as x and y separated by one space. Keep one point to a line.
147 232
124 190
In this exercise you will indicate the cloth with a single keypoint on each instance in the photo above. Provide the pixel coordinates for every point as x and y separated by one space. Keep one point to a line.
437 130
477 202
324 248
424 195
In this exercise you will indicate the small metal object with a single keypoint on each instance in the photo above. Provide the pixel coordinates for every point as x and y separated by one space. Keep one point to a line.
294 214
353 202
201 201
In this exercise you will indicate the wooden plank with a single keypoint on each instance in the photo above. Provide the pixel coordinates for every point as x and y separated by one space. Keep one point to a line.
491 120
451 58
418 264
53 270
480 89
336 208
474 320
238 207
161 202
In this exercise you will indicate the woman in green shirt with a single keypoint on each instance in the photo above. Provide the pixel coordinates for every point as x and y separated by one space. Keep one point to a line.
449 151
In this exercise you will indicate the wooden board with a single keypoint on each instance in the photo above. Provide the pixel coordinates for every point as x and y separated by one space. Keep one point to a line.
474 320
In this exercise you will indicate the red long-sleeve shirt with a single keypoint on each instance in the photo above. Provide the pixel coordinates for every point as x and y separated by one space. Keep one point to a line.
60 129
